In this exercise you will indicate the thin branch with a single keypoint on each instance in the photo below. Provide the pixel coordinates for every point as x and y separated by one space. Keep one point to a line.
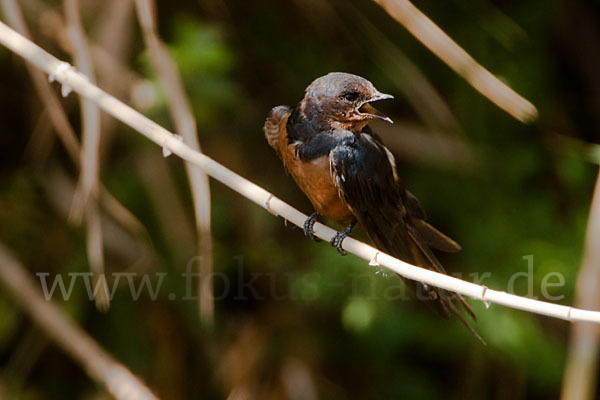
62 127
113 32
331 15
436 40
85 200
90 114
98 364
581 372
185 123
66 74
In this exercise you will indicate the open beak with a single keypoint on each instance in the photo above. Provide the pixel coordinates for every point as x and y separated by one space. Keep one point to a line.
368 109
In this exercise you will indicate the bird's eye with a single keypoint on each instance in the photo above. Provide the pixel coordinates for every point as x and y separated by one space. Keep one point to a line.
352 96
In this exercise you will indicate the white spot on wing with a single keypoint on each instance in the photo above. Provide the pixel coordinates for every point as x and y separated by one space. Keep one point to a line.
296 147
331 165
334 176
392 162
389 154
369 138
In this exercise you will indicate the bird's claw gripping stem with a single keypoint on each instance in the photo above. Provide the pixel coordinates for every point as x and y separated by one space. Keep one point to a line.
339 237
309 226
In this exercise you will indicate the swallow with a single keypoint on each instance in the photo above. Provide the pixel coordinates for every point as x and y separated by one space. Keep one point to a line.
350 177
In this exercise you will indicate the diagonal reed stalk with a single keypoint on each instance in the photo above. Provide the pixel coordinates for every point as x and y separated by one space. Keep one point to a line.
185 123
66 135
440 44
96 362
67 75
581 372
85 200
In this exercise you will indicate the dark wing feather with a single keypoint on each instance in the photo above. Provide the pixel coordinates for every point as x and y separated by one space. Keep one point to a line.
430 235
366 180
434 238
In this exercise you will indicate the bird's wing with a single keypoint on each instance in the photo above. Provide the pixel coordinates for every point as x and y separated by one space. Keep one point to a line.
275 126
366 179
429 234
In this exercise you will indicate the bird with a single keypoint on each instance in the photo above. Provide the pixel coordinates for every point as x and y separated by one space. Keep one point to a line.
350 177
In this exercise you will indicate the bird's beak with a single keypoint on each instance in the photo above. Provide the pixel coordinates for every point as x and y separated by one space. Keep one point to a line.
368 109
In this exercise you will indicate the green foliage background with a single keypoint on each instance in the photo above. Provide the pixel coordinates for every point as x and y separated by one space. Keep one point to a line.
309 316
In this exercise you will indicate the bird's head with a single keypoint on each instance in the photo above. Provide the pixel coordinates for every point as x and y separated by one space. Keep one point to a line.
343 100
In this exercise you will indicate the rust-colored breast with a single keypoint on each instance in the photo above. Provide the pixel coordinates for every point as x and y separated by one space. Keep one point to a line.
316 182
312 177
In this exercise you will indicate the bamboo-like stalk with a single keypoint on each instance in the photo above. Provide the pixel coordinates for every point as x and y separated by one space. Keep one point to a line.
85 200
67 75
60 122
185 123
90 113
98 364
440 44
62 127
580 376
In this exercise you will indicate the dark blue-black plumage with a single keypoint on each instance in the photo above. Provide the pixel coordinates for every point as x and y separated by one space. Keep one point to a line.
350 176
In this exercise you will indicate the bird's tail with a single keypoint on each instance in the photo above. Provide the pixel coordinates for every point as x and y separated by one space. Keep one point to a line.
406 243
444 301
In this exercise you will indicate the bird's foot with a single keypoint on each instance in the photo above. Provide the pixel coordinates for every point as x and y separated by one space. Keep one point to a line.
339 237
309 226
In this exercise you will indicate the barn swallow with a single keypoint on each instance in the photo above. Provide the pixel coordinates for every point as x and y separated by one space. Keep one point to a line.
350 177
